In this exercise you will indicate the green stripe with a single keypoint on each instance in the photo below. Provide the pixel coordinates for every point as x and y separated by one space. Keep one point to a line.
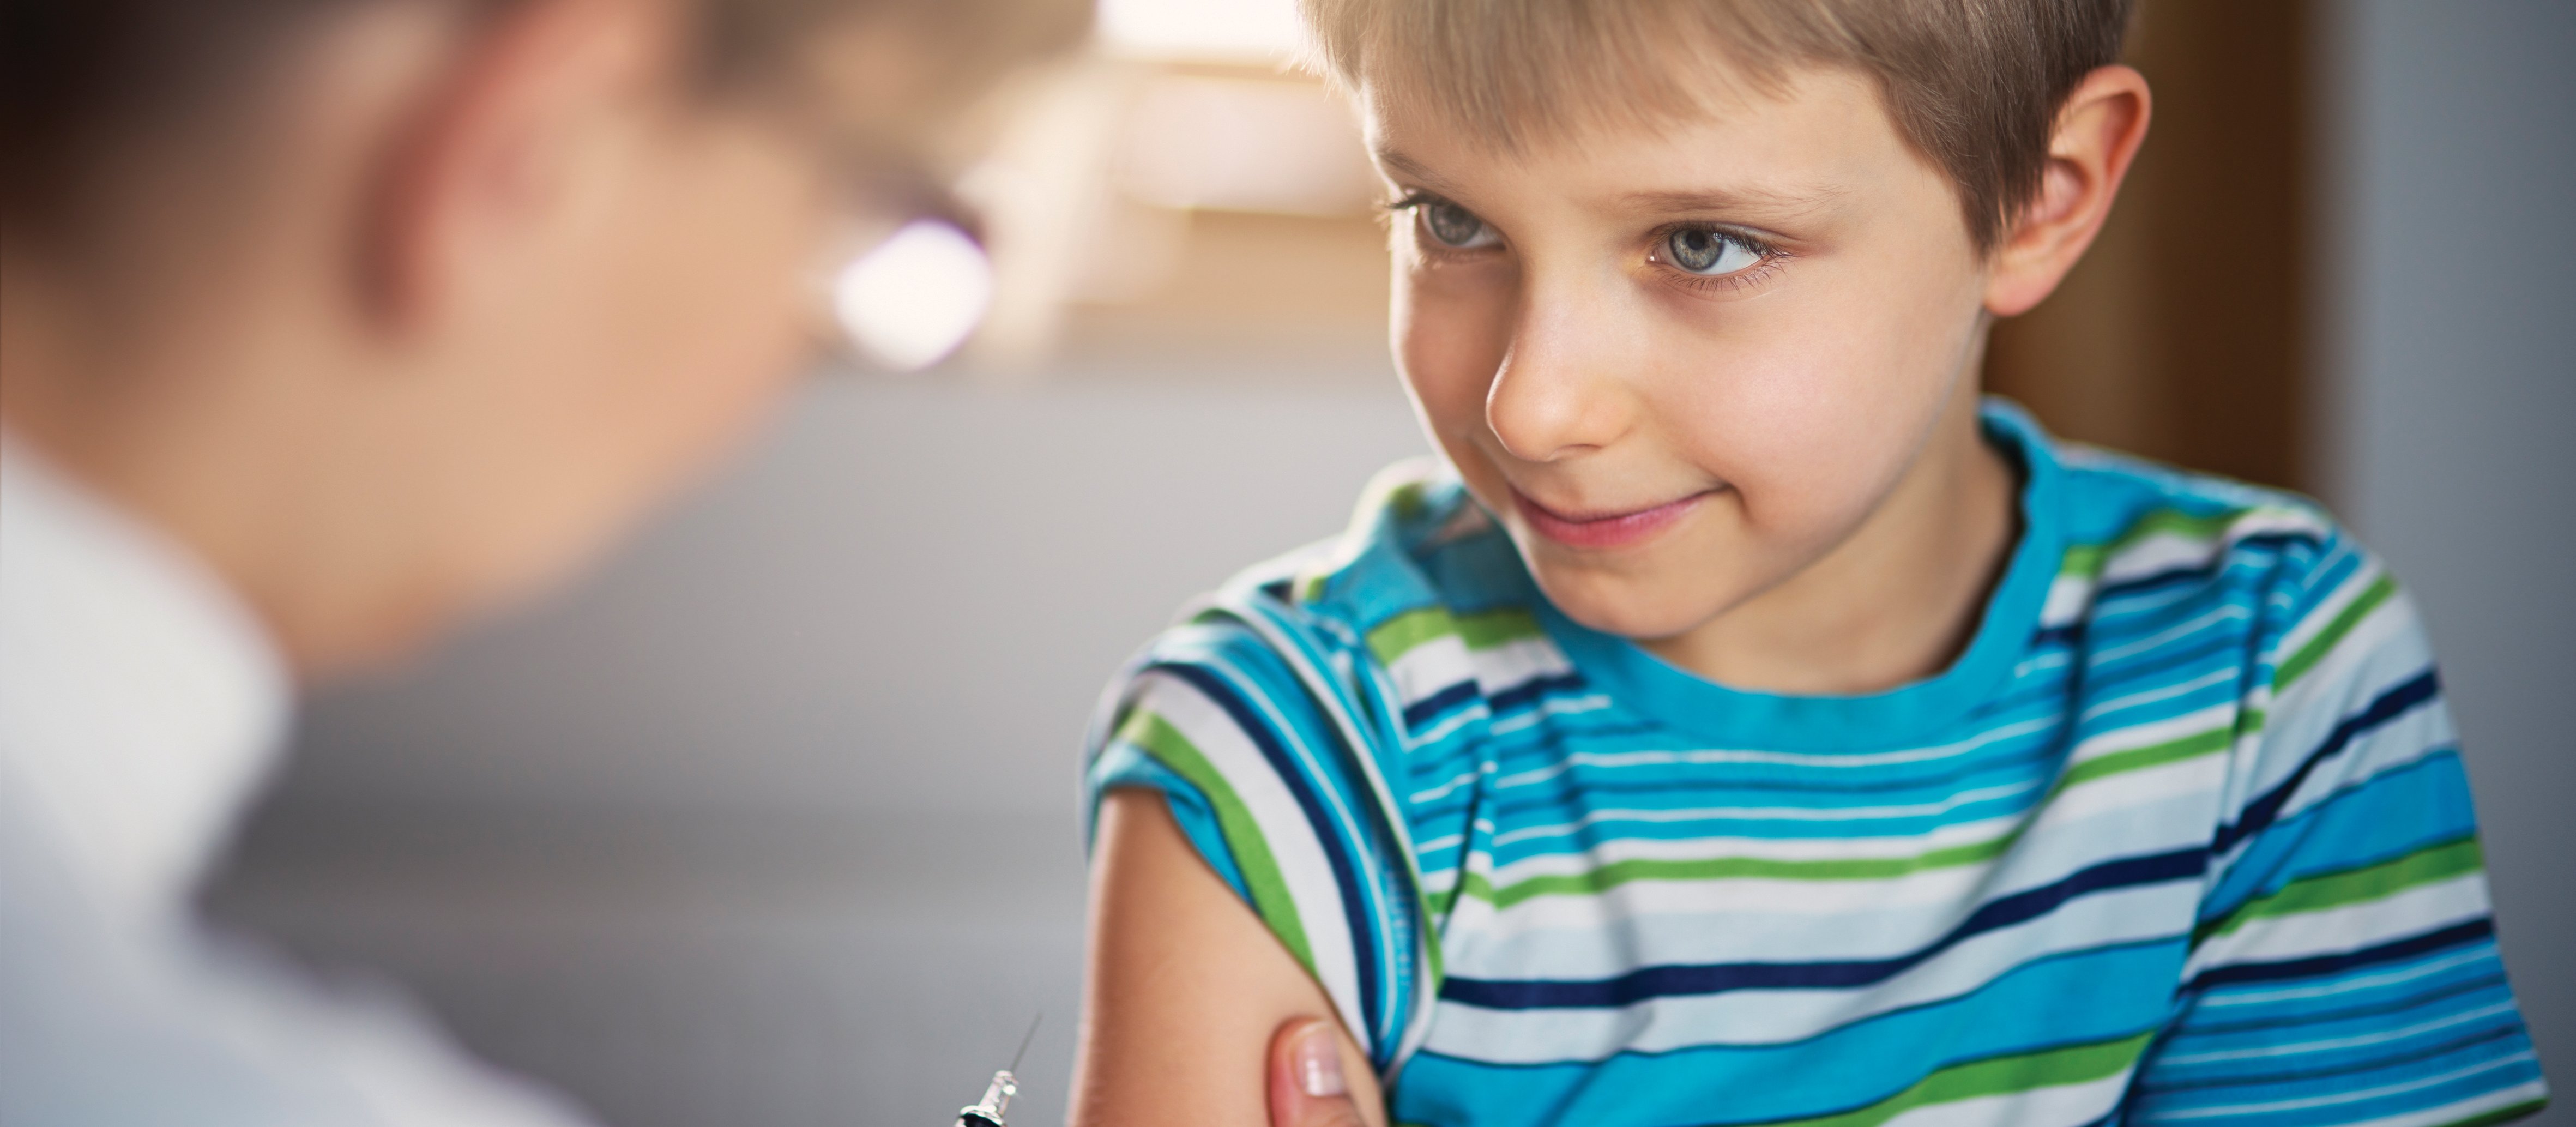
2048 1068
2140 758
1252 855
1482 630
1724 868
1396 636
2353 886
2085 560
1486 629
1595 881
2316 649
2502 1114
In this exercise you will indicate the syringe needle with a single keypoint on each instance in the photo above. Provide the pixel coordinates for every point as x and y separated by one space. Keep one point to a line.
1025 1038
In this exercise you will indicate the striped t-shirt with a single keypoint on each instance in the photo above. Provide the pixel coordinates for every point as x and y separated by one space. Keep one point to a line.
2182 837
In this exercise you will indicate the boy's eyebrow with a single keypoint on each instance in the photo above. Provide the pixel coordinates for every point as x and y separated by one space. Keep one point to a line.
1777 201
1781 201
1410 168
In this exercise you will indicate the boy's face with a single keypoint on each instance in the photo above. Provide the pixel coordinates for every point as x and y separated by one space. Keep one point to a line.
1682 363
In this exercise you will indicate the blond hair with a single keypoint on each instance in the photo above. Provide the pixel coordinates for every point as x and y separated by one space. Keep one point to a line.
1974 85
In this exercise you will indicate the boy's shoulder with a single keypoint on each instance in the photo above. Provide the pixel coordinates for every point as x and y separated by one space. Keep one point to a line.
2128 523
2156 557
1418 557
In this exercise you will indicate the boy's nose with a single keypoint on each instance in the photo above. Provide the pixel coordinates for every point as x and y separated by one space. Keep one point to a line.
1558 393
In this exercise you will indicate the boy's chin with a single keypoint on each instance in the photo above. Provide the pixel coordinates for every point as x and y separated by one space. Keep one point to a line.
1636 607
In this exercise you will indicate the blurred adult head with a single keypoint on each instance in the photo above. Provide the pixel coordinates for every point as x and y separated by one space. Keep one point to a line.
392 310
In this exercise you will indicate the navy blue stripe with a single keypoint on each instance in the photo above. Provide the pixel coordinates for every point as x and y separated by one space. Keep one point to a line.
1529 691
1423 711
1685 980
1420 713
1355 905
2387 706
2226 558
2315 966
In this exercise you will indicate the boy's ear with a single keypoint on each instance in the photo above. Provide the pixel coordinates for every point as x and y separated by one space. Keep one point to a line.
2098 132
500 142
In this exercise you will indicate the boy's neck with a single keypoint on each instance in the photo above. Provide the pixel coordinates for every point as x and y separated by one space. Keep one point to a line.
1897 601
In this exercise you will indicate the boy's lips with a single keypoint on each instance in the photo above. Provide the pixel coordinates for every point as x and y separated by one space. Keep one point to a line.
1604 530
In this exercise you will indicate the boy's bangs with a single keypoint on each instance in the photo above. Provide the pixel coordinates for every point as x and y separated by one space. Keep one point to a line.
1512 73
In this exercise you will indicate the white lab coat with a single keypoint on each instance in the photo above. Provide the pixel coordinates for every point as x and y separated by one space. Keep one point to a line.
140 707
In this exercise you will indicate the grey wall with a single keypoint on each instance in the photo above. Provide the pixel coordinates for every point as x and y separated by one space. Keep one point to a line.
2450 237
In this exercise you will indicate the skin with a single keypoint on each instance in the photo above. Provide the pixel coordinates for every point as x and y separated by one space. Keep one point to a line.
1772 478
447 310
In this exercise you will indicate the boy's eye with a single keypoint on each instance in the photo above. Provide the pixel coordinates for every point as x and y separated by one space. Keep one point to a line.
1699 250
1453 226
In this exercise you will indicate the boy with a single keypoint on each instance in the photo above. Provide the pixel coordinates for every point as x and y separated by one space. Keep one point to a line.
1747 724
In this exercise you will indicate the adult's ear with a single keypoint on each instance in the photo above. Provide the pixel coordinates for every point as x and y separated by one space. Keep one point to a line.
2098 132
523 112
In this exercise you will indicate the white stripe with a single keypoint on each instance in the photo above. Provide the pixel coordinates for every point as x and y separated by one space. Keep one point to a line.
2323 613
1768 1017
1548 706
2219 676
2170 634
2068 598
1518 662
1442 790
2353 927
2161 551
1771 813
2297 1048
2355 1096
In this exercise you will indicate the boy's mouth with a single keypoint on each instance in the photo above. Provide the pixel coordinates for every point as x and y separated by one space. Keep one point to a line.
1604 529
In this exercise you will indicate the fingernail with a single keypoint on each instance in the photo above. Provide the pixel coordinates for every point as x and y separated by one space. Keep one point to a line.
1319 1063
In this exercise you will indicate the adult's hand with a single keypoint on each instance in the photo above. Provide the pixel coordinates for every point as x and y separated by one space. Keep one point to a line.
1306 1085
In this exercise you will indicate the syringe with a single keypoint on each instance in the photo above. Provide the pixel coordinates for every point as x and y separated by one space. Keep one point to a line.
988 1112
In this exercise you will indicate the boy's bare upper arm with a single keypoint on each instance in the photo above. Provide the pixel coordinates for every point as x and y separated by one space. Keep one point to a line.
1185 987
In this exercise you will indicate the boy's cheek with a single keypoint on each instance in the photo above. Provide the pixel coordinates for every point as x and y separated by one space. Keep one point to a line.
1449 350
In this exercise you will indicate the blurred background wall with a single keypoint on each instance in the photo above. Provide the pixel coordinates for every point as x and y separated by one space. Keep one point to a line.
773 822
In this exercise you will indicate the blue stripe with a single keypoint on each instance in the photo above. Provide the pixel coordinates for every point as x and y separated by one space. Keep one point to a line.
1689 980
2388 706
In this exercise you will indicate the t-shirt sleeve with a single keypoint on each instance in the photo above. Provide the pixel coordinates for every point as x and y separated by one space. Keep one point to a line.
1266 789
2344 966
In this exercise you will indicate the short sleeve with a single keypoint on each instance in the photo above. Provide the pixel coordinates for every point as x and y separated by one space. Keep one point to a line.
1267 790
2344 966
